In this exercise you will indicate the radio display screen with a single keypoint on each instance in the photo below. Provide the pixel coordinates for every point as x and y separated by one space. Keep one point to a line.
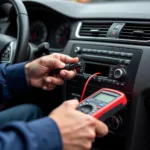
93 68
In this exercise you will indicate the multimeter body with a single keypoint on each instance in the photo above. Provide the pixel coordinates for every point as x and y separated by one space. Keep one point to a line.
103 103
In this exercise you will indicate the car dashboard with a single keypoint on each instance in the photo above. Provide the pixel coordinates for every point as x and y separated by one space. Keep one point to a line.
109 37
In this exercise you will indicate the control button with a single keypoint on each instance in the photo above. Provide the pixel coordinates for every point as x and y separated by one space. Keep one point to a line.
130 54
114 81
110 52
119 73
117 83
84 50
117 53
110 75
6 55
101 105
127 62
104 51
100 51
77 50
122 84
114 122
94 50
88 101
89 50
110 81
98 107
123 54
105 80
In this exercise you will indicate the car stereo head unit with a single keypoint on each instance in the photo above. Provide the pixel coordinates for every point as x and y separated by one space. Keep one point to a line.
118 66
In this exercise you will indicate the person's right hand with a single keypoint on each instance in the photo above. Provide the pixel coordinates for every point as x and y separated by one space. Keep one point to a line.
78 130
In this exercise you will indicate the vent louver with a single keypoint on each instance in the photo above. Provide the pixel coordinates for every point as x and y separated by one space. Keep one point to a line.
135 31
94 29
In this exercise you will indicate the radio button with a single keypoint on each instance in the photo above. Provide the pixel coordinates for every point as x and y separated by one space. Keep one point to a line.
114 81
130 54
127 62
104 51
84 50
117 53
101 105
110 52
117 83
94 50
123 54
89 50
98 51
122 84
105 80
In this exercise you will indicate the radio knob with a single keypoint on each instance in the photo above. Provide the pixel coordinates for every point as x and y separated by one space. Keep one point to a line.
77 50
119 73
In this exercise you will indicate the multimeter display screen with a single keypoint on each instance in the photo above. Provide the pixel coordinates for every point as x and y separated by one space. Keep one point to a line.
104 97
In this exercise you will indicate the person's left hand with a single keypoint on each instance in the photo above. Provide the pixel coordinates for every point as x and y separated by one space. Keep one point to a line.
37 71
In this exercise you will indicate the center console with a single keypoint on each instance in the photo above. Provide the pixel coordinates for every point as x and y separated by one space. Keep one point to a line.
118 67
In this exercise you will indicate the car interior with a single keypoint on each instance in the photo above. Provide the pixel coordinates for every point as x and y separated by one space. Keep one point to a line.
111 37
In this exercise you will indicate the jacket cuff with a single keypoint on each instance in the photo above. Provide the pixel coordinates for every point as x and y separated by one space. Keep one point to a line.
16 79
47 133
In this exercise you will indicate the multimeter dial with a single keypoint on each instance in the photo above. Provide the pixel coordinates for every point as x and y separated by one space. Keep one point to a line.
87 108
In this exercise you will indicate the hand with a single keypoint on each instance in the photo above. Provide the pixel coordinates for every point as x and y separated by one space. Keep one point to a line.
78 130
37 71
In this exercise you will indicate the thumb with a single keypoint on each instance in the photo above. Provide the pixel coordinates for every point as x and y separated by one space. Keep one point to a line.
73 104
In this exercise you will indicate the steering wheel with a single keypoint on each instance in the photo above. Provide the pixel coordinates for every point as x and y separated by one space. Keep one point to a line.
17 49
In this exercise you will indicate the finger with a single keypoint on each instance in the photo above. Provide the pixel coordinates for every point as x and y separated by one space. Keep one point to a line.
54 81
67 74
71 104
101 129
49 87
51 63
65 58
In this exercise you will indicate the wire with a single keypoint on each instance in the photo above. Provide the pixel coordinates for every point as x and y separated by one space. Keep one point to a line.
85 86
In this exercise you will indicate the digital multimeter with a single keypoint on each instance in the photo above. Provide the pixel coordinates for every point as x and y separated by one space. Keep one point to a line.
103 103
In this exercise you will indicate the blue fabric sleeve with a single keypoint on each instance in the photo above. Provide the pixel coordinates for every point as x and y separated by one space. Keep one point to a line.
12 80
41 134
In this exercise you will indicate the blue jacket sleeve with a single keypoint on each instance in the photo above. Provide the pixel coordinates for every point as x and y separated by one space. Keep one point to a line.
41 134
12 80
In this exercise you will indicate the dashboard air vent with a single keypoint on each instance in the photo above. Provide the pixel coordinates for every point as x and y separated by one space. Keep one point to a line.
94 29
135 31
